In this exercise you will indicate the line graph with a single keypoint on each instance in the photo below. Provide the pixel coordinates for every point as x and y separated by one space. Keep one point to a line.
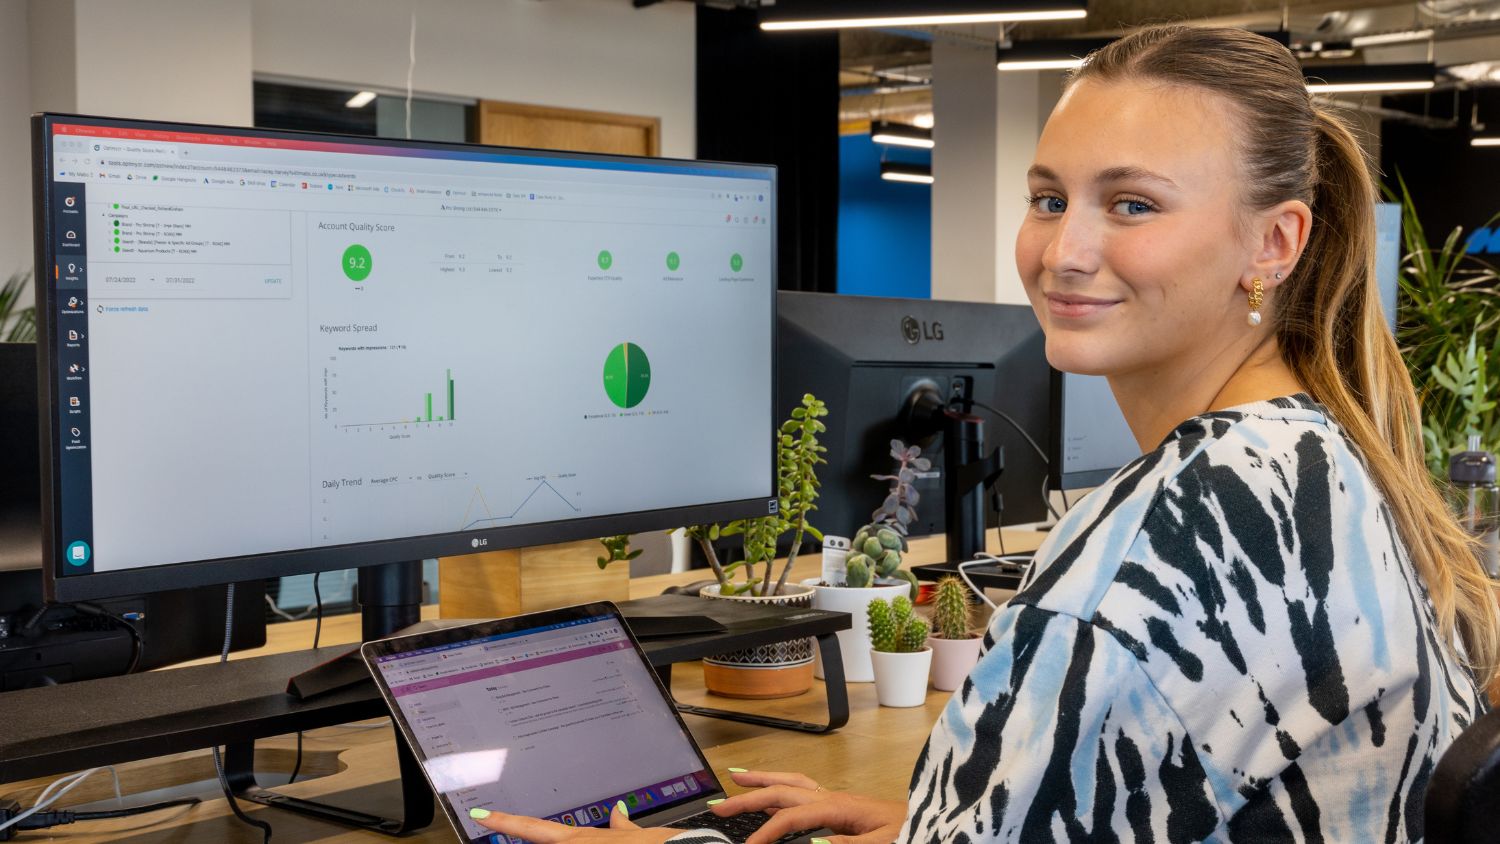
490 517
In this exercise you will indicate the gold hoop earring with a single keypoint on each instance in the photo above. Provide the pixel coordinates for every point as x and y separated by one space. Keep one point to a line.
1257 296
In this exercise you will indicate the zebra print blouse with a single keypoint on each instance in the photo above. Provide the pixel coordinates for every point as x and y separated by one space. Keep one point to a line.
1227 641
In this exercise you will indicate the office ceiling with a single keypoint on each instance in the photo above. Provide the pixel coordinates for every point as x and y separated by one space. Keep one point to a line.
887 74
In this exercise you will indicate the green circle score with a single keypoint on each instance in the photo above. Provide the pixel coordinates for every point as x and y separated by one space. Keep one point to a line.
357 263
736 263
627 375
606 260
673 261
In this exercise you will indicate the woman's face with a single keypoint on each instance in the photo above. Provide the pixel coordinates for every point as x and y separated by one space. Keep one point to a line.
1133 251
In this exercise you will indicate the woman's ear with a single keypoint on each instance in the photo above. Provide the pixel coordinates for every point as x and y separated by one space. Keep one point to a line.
1281 234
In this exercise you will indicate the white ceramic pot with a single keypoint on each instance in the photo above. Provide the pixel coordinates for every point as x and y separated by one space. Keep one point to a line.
854 643
901 679
952 660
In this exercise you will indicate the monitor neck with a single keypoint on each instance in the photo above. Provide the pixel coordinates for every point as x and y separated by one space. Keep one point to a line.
390 598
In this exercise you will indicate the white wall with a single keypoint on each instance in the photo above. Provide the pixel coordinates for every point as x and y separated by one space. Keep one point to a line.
195 61
165 60
601 55
15 140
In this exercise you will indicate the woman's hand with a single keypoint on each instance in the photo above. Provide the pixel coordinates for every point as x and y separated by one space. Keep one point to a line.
795 802
620 831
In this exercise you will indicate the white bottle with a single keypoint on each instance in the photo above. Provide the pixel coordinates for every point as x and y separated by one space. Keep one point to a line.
835 553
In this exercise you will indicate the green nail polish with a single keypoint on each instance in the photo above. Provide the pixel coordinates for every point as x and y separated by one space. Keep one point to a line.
820 841
479 814
620 807
716 801
743 771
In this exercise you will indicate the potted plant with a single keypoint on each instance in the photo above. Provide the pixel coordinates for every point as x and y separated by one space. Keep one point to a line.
781 669
873 567
899 652
954 649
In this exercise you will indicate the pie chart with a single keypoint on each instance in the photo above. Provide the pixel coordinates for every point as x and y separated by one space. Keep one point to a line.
627 375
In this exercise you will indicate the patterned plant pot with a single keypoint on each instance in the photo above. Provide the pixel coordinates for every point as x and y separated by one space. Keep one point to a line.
781 669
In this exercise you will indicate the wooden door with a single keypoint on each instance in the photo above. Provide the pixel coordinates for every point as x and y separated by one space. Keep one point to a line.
544 127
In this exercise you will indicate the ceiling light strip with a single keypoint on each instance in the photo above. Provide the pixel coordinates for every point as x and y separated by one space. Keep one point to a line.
923 20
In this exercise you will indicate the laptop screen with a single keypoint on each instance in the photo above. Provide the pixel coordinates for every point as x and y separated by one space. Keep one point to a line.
559 722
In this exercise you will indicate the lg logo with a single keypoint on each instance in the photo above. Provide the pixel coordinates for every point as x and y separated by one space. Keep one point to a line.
479 543
915 331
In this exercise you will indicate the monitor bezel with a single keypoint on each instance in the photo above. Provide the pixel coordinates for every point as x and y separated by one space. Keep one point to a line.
1057 479
309 560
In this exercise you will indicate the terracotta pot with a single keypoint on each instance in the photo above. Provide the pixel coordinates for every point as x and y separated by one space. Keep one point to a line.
952 660
780 669
854 643
901 679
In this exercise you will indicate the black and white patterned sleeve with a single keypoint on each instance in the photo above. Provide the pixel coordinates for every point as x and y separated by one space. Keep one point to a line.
1058 735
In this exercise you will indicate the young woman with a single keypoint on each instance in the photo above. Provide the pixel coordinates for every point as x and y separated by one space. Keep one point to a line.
1268 627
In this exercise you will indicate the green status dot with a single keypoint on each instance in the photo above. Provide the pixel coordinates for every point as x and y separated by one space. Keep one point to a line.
117 249
117 206
357 262
606 260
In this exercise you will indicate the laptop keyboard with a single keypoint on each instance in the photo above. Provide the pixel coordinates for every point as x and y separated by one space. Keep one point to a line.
738 827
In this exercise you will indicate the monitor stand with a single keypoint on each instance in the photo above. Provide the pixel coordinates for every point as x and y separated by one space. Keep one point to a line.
390 598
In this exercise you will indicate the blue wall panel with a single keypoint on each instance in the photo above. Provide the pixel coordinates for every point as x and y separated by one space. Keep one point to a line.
885 228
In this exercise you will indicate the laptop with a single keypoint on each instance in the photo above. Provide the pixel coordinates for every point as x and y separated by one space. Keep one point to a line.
556 715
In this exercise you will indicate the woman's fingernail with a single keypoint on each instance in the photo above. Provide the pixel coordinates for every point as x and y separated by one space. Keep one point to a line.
820 841
716 801
479 814
743 771
620 807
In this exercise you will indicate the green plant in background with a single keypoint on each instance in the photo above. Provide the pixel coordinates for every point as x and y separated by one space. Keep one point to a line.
894 627
17 324
798 454
950 609
1442 288
618 548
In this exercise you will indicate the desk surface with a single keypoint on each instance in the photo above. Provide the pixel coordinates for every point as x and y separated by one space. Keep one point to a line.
354 766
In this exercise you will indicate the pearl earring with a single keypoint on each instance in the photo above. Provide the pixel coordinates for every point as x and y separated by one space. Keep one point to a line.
1257 295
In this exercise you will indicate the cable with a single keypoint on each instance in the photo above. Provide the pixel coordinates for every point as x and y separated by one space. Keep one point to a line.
32 820
137 646
1046 499
234 804
317 637
1006 416
47 797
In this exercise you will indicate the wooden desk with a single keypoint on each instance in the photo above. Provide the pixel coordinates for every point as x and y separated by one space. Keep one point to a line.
354 766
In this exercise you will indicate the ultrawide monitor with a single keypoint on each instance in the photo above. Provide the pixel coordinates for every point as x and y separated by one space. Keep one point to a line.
266 353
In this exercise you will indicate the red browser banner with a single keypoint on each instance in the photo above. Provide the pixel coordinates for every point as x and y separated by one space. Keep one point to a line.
171 137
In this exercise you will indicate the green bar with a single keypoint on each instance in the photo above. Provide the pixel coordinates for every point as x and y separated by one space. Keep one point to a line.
429 407
450 394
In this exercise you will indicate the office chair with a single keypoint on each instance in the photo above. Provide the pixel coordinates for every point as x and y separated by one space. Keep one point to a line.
1463 796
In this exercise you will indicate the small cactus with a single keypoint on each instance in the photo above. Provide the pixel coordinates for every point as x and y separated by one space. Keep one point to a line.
894 627
950 609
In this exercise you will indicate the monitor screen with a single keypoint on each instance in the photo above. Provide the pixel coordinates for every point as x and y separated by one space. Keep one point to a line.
270 352
1090 440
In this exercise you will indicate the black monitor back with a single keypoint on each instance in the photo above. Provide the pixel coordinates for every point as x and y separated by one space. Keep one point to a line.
866 356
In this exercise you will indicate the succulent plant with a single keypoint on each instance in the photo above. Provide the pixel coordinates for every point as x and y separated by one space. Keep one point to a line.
798 454
950 609
618 548
894 627
900 506
875 553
